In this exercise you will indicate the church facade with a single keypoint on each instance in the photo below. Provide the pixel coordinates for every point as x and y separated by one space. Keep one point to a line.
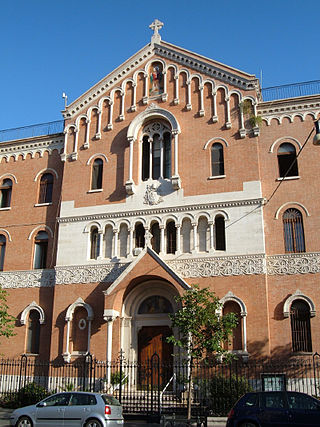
171 171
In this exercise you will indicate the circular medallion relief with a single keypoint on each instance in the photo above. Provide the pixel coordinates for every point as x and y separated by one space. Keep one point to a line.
82 324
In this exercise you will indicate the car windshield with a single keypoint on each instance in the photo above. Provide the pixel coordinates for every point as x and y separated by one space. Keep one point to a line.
110 400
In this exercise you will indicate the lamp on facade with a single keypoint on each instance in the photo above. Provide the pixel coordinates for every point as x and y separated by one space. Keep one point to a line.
316 138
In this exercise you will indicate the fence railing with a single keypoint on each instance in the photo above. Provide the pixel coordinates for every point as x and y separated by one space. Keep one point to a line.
49 128
155 388
291 90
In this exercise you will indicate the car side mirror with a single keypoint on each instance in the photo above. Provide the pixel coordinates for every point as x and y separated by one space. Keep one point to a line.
41 404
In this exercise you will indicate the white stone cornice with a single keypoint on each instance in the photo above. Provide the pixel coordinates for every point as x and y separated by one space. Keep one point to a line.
290 108
164 210
31 146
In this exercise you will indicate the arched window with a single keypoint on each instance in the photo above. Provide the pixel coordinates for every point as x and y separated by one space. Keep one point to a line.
186 234
235 342
3 241
46 187
155 239
40 250
33 332
139 235
293 231
97 170
217 162
300 326
171 237
5 195
287 161
123 240
156 151
94 243
79 330
220 233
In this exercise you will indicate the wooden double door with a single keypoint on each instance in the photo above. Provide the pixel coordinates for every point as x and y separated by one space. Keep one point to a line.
152 340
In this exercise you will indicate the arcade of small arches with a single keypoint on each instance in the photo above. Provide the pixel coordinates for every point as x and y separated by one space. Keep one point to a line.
189 90
172 235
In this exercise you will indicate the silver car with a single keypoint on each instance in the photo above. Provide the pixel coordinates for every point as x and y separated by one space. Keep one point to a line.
70 409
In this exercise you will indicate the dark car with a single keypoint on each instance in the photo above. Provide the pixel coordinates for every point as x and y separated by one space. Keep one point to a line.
275 408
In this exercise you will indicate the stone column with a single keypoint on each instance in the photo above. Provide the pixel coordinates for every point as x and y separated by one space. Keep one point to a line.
109 316
115 242
211 236
162 238
195 237
86 142
178 247
98 134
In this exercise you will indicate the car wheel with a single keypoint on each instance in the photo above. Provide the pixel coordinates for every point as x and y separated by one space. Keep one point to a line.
93 423
24 422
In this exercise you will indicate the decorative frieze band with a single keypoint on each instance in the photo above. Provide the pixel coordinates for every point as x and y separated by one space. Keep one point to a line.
106 273
186 268
294 263
220 266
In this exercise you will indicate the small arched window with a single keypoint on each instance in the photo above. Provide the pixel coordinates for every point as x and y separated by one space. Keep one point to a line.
293 231
3 241
33 333
287 160
97 171
139 235
46 187
171 238
217 161
94 243
220 233
40 250
300 326
6 192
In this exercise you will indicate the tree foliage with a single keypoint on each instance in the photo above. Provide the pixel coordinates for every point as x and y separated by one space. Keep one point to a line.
6 320
202 329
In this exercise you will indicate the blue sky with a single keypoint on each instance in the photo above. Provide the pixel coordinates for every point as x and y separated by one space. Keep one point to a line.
51 46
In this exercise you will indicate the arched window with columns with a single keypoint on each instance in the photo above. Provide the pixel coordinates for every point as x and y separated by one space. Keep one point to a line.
156 151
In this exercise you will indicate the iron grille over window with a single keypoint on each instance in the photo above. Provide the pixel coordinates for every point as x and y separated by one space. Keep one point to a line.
300 327
46 187
293 231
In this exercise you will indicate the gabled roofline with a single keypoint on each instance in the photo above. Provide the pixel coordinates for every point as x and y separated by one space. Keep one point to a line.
167 50
157 258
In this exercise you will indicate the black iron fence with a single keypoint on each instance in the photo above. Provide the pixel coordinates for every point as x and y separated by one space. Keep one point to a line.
154 388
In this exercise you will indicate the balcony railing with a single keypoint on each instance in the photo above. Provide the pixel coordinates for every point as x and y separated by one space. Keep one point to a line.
291 91
49 128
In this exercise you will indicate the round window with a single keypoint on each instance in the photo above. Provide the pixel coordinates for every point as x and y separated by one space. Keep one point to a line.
82 324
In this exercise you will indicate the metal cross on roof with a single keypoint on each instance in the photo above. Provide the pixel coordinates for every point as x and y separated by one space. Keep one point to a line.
156 26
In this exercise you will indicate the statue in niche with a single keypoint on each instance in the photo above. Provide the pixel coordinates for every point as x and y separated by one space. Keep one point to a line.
156 80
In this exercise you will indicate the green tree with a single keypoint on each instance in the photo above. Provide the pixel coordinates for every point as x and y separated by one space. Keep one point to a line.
202 331
6 320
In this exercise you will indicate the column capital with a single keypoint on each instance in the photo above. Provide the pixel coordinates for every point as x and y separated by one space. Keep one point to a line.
109 315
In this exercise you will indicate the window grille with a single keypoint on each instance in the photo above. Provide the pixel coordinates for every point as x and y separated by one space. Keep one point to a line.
300 327
293 231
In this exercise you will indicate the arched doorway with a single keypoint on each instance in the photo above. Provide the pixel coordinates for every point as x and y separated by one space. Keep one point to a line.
146 326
